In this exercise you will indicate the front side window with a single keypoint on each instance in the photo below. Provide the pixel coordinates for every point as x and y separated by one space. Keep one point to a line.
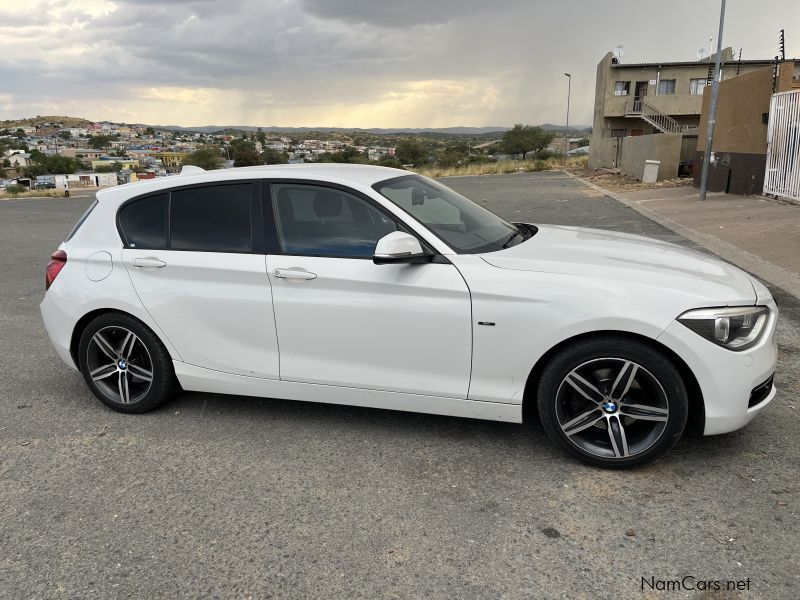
319 221
622 88
459 222
215 218
144 222
666 87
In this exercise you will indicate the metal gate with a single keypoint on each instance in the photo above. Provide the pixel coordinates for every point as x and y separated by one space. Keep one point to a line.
782 177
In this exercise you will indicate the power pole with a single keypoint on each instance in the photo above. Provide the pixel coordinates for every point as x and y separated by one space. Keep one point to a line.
712 109
569 90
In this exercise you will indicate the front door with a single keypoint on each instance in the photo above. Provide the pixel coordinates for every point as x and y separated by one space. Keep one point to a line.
343 320
640 92
203 277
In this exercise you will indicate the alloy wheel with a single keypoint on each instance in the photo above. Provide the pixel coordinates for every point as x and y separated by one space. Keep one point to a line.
612 408
119 364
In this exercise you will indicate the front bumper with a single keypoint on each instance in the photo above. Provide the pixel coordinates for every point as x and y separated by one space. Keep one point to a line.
726 378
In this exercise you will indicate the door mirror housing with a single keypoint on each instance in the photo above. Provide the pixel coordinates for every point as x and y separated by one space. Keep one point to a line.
399 247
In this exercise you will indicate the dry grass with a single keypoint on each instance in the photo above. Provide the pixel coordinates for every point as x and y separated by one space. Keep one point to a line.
33 194
508 166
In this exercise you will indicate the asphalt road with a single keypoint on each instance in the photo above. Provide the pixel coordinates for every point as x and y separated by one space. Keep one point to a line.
230 497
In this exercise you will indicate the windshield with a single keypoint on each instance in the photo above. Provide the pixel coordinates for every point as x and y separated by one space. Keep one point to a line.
462 224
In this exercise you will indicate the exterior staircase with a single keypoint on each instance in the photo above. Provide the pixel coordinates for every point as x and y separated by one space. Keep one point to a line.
661 121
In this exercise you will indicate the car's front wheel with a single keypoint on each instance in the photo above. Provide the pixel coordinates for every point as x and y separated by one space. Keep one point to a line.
124 364
612 401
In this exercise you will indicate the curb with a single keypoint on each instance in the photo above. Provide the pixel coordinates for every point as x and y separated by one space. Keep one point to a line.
759 267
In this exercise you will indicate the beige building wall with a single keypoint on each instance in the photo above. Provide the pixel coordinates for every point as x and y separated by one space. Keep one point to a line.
741 105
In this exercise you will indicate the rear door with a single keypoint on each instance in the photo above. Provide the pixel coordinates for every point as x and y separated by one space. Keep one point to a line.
196 258
343 320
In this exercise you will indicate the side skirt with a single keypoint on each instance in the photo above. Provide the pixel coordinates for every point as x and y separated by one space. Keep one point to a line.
198 379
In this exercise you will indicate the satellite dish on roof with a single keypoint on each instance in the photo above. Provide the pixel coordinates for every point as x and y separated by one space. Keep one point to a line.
702 53
619 51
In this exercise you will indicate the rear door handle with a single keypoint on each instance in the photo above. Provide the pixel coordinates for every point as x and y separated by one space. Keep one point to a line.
293 274
149 262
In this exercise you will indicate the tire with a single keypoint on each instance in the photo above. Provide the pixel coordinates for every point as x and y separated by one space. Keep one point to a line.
635 392
124 364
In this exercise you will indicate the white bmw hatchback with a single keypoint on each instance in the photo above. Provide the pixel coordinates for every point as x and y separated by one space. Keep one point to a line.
375 287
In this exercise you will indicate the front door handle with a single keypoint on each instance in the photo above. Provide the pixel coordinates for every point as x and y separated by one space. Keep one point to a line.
149 262
293 274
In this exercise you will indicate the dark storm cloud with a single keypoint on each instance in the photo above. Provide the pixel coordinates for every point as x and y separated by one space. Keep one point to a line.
424 60
403 13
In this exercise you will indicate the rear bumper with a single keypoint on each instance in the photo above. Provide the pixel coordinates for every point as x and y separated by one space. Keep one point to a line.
726 379
59 326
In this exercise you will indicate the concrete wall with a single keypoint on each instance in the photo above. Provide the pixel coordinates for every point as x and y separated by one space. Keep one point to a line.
740 105
664 147
739 150
603 152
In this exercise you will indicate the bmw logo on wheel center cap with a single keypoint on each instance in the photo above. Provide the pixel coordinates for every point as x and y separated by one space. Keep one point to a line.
609 406
122 364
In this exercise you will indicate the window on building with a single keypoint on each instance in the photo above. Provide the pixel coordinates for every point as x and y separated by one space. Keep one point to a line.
319 221
144 222
216 218
618 133
666 87
622 88
696 86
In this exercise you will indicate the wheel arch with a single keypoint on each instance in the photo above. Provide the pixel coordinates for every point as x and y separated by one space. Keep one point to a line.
696 404
83 322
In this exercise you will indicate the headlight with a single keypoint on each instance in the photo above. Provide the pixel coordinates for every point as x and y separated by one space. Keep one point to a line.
735 328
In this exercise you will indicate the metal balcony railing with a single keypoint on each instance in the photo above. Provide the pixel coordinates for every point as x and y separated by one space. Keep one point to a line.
661 121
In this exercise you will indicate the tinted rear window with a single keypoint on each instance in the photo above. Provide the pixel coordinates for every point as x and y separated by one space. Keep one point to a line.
144 222
214 218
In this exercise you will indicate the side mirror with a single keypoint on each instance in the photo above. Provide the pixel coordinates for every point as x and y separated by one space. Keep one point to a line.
399 247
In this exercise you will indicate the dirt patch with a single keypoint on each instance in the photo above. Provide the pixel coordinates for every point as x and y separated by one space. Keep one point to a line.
622 183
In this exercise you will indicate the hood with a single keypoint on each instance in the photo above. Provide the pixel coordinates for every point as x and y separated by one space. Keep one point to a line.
631 260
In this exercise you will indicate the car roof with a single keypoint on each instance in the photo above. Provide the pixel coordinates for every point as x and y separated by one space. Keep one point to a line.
346 174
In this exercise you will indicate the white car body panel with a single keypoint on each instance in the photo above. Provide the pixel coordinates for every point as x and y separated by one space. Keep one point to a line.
362 325
215 308
406 337
203 380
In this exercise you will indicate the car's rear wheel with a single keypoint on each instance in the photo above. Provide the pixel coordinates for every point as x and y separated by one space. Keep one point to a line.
124 364
613 401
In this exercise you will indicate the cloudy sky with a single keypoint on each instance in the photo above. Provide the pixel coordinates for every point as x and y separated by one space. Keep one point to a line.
348 63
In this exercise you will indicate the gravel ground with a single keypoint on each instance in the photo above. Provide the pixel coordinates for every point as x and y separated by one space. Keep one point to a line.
230 497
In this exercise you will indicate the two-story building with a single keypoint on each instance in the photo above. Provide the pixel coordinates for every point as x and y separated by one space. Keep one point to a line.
649 99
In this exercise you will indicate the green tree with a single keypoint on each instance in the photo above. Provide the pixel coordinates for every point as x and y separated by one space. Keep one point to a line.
411 152
522 139
65 135
99 141
61 165
108 168
390 161
244 154
449 157
33 170
150 131
205 157
270 156
38 156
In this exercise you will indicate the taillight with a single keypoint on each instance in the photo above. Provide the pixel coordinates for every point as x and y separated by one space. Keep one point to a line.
57 262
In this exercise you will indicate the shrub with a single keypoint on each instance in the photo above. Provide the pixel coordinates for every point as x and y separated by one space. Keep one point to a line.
15 189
